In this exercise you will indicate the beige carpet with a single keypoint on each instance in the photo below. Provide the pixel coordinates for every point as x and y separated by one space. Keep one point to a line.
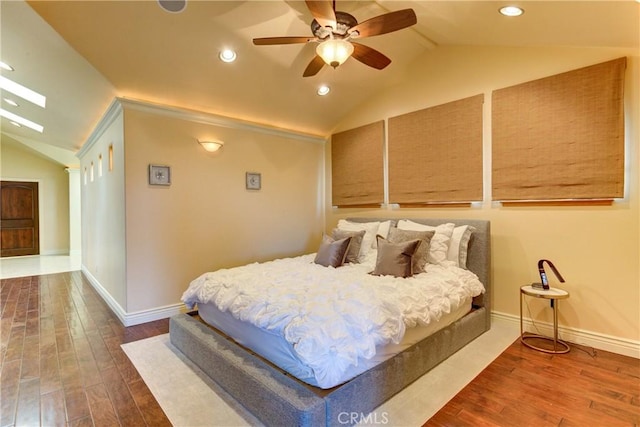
190 398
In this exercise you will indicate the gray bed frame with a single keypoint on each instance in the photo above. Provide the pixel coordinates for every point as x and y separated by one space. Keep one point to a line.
278 399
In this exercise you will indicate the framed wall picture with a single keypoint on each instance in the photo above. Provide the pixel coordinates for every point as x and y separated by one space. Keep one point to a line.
159 175
253 181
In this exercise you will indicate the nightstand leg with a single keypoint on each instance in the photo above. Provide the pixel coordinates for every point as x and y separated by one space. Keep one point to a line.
521 329
555 325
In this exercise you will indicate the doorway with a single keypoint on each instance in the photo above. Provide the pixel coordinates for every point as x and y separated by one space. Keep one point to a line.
19 231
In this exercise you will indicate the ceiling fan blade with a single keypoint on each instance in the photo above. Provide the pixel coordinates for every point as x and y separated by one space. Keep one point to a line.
314 66
369 56
323 12
387 23
281 40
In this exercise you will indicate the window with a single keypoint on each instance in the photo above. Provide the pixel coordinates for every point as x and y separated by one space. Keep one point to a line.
560 137
435 154
357 170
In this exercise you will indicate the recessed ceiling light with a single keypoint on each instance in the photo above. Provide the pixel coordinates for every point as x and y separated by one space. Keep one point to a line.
6 66
173 6
21 120
511 11
323 90
23 92
227 55
10 102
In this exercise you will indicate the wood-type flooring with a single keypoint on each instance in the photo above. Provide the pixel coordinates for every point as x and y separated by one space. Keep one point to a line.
61 358
524 387
61 364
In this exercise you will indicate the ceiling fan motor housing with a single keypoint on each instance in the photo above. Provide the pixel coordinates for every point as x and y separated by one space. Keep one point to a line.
344 21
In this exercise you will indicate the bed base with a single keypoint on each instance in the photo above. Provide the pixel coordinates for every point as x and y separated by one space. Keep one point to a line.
277 399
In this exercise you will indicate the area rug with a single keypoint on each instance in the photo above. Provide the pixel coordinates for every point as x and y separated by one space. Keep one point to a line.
189 398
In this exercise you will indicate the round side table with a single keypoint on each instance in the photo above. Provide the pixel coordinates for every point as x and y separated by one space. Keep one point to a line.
552 294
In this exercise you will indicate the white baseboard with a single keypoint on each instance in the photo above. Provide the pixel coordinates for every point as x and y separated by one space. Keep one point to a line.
144 316
617 345
137 317
605 342
54 252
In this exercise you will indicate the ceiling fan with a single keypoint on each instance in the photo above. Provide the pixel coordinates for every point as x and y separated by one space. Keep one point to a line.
335 32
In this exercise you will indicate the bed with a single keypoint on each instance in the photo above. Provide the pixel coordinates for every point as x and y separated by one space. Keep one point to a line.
306 367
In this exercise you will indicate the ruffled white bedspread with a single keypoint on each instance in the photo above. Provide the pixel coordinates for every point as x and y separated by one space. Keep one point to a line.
333 316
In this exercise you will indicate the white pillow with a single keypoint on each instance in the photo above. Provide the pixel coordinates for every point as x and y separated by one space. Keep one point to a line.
370 228
459 245
383 230
439 247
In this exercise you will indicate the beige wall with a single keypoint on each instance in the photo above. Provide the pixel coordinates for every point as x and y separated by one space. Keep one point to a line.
102 201
206 219
597 249
20 163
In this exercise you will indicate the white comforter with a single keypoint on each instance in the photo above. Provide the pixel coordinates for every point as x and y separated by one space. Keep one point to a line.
332 316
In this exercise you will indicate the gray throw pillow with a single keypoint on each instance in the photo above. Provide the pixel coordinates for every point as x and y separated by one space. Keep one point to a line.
332 252
395 259
356 242
397 235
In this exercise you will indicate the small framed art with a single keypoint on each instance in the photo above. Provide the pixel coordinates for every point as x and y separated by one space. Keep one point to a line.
253 181
159 175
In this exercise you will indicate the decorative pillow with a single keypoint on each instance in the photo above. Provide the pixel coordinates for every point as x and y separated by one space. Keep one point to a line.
395 259
370 228
460 244
332 252
420 259
356 242
439 246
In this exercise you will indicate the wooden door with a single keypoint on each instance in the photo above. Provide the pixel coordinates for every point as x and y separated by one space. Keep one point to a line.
19 234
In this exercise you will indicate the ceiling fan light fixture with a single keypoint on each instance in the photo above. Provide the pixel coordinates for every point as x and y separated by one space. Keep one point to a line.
511 11
334 51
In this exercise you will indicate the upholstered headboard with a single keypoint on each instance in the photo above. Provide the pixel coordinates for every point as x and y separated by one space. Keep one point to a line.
479 249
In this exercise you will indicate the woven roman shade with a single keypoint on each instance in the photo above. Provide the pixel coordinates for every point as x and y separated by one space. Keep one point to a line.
560 137
357 173
435 154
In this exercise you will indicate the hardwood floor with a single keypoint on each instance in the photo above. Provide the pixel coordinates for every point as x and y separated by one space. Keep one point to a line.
61 361
525 387
61 364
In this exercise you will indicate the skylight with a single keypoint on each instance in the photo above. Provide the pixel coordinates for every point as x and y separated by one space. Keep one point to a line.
23 92
21 120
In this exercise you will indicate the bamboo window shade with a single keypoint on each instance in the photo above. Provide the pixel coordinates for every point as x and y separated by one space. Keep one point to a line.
435 154
357 170
560 137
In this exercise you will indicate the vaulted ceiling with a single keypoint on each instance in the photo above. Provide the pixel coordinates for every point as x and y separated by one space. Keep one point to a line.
81 54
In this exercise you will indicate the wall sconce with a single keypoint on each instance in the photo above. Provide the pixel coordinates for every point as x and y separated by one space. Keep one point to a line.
211 146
